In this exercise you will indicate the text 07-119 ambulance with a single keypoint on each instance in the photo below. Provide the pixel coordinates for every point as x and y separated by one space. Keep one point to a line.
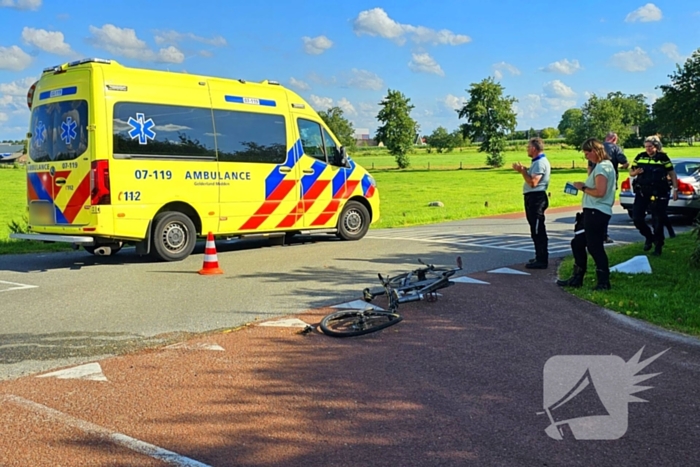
121 155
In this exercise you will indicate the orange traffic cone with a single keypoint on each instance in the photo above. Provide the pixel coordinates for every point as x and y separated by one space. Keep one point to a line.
211 261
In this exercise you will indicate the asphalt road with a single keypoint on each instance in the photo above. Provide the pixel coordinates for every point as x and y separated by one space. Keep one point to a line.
66 308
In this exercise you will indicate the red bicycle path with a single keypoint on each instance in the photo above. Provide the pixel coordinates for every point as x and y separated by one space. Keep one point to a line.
457 382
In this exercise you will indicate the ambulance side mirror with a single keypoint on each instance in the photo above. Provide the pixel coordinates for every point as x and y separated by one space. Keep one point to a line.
341 158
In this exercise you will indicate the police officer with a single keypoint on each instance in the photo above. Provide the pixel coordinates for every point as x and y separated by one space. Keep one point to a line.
651 191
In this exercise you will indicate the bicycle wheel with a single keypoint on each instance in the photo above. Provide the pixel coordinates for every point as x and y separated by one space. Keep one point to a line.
349 323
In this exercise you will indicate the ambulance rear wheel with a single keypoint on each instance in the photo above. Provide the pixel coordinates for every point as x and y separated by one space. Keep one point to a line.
353 222
173 237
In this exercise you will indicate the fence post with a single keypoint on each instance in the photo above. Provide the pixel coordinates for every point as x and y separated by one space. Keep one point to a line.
573 164
460 165
372 165
428 165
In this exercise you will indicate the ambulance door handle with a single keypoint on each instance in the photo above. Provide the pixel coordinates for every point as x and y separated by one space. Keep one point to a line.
309 171
60 181
285 170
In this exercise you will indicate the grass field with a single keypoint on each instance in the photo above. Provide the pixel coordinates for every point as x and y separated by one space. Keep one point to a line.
668 297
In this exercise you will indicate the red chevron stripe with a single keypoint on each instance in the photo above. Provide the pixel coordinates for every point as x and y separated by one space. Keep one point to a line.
327 213
293 217
346 190
269 205
370 192
31 193
305 204
78 199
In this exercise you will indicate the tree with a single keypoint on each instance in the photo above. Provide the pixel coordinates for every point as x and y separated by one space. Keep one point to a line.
549 133
441 140
340 126
571 121
398 129
682 97
489 116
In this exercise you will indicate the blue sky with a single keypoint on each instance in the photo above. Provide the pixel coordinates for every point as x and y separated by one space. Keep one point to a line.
549 55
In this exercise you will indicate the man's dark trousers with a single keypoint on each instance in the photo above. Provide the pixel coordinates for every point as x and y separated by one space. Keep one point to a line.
536 203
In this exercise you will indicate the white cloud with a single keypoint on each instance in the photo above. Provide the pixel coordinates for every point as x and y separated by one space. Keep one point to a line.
364 79
170 37
170 55
453 102
645 14
17 88
558 89
534 106
48 41
555 104
529 107
632 60
671 51
376 22
123 41
13 58
316 45
563 66
424 63
321 103
299 84
651 97
501 67
346 107
4 117
21 4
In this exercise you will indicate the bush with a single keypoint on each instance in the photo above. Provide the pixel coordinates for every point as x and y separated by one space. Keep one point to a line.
495 160
403 161
20 226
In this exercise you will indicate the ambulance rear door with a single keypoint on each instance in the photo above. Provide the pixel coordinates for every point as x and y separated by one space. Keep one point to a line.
58 172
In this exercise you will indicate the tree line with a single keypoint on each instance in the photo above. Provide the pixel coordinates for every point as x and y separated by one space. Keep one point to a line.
490 118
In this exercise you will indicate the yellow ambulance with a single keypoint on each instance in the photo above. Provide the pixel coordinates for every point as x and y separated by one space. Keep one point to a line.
121 155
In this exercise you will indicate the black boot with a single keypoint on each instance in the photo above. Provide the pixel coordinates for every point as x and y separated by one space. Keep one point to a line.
603 279
576 280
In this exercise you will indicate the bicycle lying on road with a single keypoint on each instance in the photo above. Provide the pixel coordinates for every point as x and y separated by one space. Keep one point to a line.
419 284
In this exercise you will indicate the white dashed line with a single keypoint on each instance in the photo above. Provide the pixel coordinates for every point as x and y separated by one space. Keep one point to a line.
120 439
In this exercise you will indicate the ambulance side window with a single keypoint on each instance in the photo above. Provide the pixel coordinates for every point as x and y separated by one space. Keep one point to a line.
250 137
312 139
163 131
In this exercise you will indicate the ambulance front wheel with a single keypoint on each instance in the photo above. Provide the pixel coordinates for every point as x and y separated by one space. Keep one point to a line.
173 237
353 222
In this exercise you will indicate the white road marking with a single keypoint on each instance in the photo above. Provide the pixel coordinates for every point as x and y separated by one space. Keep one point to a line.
509 271
358 305
468 280
285 323
120 439
89 371
17 286
197 346
509 243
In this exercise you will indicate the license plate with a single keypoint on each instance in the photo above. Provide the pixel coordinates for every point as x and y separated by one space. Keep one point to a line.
41 214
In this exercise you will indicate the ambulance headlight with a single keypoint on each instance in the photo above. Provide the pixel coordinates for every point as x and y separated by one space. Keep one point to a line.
372 181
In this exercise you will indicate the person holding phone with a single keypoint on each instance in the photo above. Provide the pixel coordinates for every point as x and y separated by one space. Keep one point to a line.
592 226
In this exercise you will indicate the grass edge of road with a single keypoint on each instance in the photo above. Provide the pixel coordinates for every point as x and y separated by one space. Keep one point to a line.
668 297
